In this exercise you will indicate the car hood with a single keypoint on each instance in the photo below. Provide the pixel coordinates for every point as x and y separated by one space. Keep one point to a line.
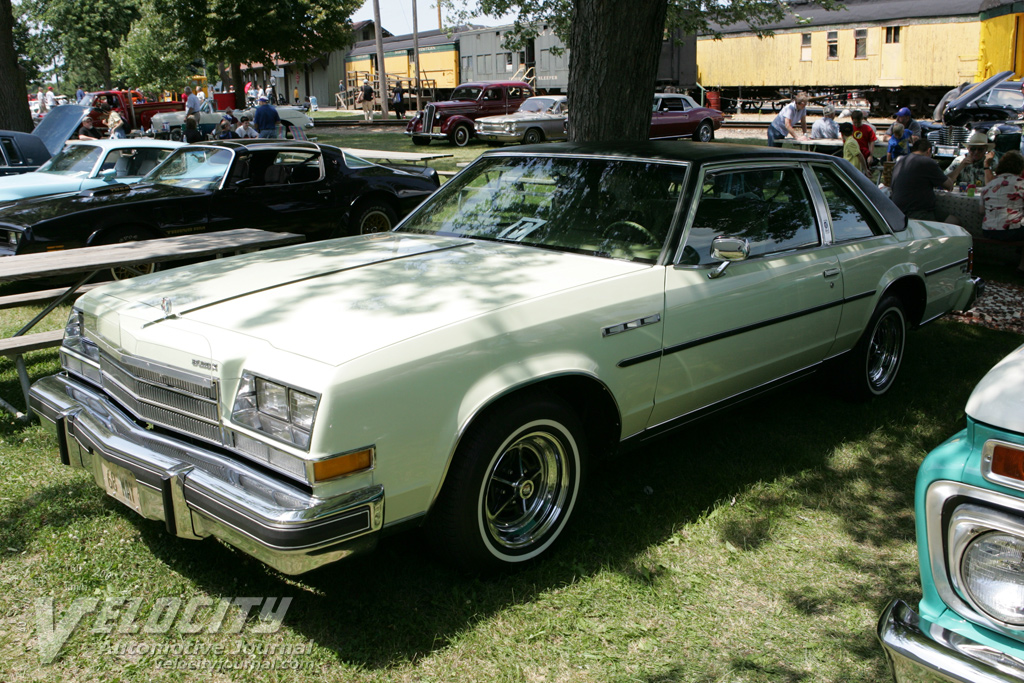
59 124
31 211
516 116
998 399
337 300
35 184
964 108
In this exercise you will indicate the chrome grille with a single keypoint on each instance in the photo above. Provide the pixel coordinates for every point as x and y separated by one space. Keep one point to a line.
492 127
428 118
164 400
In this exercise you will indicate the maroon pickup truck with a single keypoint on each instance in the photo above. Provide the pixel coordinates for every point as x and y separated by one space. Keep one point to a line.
453 120
131 105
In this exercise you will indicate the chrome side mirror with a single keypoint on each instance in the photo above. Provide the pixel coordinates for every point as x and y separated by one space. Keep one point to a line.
730 248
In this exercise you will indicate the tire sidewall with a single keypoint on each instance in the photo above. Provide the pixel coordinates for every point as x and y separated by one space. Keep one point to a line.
888 307
367 210
574 470
701 137
461 130
532 133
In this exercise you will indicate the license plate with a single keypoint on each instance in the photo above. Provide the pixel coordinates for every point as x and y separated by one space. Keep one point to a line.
120 484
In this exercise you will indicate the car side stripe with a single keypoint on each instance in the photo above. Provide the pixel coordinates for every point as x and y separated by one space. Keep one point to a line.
961 262
627 362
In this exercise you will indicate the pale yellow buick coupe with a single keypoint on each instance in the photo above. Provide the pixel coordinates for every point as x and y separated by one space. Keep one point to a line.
548 306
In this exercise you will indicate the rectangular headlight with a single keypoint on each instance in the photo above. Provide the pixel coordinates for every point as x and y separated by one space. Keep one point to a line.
280 411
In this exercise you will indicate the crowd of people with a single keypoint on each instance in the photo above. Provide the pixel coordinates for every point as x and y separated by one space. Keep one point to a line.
910 172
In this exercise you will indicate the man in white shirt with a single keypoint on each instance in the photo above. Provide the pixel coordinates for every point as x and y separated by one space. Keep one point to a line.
245 129
51 99
826 128
192 104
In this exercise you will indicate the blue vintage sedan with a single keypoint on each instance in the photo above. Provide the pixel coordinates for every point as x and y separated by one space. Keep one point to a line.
89 164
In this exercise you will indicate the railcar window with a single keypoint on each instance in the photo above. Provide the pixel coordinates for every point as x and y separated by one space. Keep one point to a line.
892 34
805 47
860 43
833 44
771 208
850 220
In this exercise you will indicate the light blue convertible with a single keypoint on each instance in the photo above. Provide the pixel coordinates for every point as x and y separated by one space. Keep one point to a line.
87 164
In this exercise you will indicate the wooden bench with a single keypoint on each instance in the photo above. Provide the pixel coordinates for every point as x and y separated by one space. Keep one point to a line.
15 346
42 296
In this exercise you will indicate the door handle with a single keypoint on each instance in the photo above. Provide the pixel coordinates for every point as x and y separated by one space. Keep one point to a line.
831 272
323 192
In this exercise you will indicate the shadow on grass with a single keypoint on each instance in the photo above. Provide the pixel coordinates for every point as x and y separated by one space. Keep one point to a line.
399 604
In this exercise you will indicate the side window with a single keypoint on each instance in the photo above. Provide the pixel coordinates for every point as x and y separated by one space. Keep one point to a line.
10 152
492 94
850 221
515 93
771 208
129 163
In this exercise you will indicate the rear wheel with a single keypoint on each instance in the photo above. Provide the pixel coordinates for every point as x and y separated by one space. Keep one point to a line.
460 135
129 234
373 216
532 137
875 360
513 484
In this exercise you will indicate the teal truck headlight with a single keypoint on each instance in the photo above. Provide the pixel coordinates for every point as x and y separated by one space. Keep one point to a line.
993 574
279 411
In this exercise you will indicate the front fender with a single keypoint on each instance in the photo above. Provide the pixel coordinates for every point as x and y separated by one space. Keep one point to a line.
449 123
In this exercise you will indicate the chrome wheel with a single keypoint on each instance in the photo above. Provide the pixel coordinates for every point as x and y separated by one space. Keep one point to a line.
705 133
885 350
513 484
526 489
460 136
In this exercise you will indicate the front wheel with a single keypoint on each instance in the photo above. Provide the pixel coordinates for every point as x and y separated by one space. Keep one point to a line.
875 360
512 486
705 132
460 135
532 137
373 216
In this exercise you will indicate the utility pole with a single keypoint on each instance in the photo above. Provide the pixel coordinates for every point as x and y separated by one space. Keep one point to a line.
416 54
382 81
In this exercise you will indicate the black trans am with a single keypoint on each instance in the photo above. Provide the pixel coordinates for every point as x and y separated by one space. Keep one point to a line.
302 187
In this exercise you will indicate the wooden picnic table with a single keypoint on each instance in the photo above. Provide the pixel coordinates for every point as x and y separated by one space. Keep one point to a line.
386 155
88 261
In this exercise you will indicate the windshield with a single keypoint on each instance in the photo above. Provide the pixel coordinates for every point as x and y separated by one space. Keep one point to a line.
466 93
611 208
77 160
537 104
197 169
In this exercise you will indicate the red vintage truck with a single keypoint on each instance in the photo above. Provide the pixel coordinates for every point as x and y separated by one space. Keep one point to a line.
130 104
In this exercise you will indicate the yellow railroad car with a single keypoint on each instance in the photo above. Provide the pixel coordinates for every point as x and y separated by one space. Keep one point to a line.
892 52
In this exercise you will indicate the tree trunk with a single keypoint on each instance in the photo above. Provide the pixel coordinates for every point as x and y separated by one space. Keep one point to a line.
14 111
611 71
108 81
236 78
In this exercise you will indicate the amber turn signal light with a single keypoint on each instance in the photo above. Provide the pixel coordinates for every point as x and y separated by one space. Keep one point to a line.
343 464
1008 461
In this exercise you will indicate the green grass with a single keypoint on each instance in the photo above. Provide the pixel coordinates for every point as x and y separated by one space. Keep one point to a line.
757 546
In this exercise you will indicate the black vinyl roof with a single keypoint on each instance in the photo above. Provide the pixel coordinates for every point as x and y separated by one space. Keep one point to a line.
873 11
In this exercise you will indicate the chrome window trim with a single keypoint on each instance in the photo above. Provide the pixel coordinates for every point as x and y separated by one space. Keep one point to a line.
935 501
865 201
718 167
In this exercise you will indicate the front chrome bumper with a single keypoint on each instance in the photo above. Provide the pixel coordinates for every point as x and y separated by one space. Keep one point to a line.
922 652
433 136
198 492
